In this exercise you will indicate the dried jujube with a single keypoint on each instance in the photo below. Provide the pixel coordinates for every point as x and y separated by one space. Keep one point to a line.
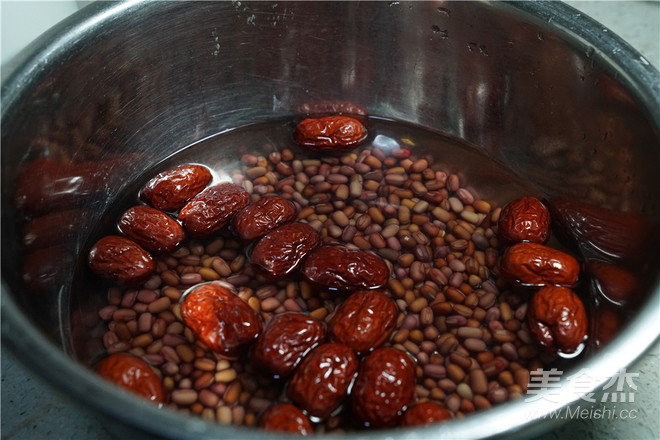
557 319
524 219
364 320
133 374
219 318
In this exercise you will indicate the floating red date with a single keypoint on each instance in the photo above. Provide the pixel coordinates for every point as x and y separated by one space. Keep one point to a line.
614 283
171 189
342 268
285 340
133 374
219 318
152 229
213 208
364 320
383 388
120 259
557 319
524 219
282 250
330 133
321 381
260 217
534 264
284 417
425 413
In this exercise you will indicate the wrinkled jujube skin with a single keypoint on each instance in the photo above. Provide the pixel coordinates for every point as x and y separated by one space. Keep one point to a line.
600 232
424 413
213 208
364 320
262 216
385 385
120 259
151 228
133 374
524 219
615 283
281 251
322 379
330 133
533 264
557 319
285 340
171 189
345 269
284 417
220 318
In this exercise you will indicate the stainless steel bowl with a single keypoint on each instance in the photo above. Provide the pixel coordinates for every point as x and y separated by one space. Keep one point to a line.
535 85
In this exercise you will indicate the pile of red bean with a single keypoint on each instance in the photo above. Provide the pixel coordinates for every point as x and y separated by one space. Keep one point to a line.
358 288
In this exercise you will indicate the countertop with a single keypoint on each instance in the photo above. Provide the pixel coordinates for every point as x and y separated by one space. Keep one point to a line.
31 410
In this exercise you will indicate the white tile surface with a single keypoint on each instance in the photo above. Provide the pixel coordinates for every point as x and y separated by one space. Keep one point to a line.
30 410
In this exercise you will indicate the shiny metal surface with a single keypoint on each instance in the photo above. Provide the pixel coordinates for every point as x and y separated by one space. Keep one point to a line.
121 85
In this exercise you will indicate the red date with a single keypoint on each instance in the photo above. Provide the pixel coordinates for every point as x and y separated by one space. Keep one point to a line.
330 133
284 417
258 218
219 318
213 208
133 374
363 321
342 268
524 219
383 388
152 229
120 259
534 264
425 413
282 250
171 189
321 381
557 319
285 340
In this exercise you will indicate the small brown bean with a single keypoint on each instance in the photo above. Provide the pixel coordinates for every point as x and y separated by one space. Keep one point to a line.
474 345
184 397
160 305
